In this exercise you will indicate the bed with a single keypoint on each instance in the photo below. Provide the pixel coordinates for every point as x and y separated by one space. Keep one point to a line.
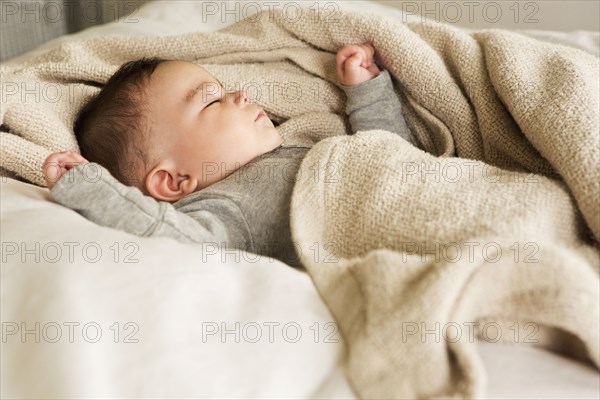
90 312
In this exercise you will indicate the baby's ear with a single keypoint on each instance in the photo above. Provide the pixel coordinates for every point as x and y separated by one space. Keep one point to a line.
167 184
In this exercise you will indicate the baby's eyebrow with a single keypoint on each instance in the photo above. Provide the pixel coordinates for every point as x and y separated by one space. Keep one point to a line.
198 89
192 93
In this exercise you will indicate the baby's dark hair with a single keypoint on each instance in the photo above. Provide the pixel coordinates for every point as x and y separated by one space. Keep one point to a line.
112 129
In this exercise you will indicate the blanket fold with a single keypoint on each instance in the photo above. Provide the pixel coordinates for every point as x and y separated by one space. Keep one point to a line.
416 263
490 232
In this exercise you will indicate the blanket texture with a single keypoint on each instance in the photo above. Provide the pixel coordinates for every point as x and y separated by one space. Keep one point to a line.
491 232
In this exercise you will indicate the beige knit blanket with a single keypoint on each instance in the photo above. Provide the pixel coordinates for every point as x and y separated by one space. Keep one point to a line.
416 253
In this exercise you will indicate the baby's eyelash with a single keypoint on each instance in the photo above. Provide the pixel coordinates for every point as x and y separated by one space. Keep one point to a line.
212 102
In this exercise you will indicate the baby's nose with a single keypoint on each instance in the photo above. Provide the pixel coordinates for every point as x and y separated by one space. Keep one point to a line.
241 97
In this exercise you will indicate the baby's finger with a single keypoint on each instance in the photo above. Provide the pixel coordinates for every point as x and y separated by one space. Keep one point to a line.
370 50
67 165
78 158
373 69
345 52
341 60
52 173
369 53
353 65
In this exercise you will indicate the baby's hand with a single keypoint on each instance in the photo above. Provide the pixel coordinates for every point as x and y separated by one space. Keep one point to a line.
355 64
57 164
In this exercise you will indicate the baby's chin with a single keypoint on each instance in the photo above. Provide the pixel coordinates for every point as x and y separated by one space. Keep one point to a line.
278 137
273 141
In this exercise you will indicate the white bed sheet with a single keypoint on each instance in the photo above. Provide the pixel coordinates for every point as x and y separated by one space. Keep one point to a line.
175 293
175 298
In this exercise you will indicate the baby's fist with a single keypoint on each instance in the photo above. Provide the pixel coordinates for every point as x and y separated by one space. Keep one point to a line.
355 64
57 164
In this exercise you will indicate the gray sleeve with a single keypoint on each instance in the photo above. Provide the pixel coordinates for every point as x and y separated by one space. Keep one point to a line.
375 105
94 193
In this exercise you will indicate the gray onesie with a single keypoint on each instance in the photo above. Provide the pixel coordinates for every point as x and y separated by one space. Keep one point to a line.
248 210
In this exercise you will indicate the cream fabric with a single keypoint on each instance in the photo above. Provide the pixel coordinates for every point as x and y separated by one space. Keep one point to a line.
201 323
404 250
492 96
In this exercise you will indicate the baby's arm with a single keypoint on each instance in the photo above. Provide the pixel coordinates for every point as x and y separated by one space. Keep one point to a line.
90 190
372 102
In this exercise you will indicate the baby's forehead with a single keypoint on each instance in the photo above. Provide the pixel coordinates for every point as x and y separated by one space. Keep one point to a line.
174 84
182 75
185 67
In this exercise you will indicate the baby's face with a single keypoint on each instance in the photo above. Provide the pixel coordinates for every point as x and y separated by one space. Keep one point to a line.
206 132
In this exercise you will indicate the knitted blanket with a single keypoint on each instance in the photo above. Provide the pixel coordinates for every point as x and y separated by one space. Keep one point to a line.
418 255
415 252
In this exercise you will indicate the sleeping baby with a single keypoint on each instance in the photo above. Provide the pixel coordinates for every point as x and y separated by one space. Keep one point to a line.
166 151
